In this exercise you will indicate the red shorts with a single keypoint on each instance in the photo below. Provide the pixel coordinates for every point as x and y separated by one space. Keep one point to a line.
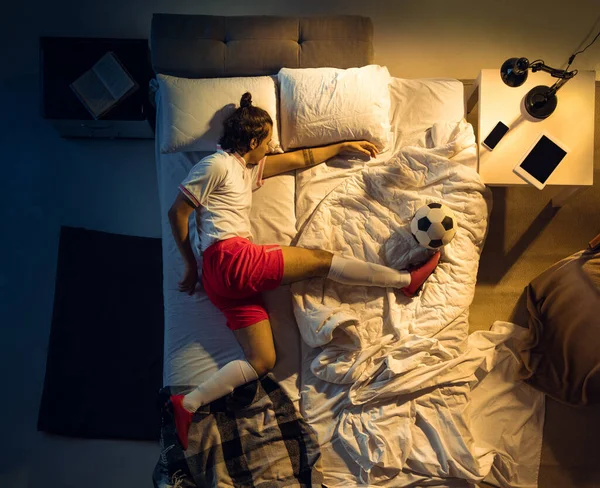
235 272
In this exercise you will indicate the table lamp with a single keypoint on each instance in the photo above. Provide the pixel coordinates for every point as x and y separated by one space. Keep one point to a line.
541 100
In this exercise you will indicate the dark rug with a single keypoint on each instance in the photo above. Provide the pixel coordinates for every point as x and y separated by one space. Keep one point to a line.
104 366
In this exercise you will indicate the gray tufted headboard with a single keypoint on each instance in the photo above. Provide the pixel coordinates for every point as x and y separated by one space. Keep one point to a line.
207 46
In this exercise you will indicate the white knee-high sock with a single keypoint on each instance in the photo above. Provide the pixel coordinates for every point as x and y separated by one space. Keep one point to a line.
355 272
233 374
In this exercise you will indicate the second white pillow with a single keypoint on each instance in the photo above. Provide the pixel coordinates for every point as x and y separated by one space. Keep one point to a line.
321 106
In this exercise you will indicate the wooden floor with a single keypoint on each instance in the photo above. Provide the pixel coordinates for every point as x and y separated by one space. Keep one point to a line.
526 236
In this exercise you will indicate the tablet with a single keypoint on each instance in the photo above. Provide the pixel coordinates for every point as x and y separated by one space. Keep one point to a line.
540 161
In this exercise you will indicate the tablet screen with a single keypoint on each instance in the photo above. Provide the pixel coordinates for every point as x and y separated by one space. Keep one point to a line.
543 159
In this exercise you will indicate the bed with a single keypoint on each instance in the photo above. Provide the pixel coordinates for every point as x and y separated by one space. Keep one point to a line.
385 391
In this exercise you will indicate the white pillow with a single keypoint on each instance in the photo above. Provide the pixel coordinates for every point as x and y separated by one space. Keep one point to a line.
325 105
193 110
419 103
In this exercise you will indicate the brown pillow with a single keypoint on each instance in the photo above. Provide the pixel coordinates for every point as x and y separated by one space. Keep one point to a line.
561 353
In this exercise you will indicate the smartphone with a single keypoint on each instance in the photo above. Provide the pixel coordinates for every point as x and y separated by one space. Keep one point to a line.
493 138
540 161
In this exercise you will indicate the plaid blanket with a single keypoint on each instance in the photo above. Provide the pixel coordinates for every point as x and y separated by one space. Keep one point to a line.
253 437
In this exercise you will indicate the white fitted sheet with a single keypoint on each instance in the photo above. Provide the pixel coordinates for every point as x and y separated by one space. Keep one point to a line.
197 342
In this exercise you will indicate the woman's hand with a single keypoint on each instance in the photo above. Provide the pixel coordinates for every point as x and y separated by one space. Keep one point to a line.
190 278
364 147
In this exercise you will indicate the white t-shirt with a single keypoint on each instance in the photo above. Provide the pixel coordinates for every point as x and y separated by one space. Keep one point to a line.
220 186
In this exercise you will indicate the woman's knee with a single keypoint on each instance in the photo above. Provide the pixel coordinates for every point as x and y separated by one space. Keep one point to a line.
258 347
264 363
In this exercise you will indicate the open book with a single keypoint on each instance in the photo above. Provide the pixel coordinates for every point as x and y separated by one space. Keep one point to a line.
104 85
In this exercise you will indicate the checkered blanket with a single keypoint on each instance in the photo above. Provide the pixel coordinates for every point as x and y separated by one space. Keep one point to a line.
253 437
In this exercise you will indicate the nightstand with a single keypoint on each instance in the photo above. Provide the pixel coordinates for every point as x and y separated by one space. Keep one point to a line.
64 59
572 123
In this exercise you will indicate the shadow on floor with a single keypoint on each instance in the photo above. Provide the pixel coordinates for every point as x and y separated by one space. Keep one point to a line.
495 260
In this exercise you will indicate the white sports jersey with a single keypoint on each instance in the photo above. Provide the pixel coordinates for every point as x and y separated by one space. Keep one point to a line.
220 186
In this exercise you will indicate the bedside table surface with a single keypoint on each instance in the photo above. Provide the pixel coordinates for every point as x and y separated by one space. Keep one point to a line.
571 124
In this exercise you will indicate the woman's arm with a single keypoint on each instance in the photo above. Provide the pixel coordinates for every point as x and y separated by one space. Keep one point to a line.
179 214
305 158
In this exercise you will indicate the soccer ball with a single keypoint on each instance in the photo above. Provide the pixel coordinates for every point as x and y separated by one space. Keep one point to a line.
433 226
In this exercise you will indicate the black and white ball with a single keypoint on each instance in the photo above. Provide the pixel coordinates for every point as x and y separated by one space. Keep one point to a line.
433 226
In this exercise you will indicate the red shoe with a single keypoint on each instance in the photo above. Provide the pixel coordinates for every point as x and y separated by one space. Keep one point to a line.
419 276
183 419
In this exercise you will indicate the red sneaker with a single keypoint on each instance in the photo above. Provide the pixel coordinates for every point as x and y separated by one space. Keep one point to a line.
183 419
419 275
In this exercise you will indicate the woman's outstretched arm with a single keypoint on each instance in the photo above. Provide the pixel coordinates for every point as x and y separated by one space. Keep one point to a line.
305 158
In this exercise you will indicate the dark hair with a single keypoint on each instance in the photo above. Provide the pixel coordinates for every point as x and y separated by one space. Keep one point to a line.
246 123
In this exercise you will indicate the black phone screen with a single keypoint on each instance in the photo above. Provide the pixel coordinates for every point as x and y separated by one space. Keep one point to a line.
494 137
543 159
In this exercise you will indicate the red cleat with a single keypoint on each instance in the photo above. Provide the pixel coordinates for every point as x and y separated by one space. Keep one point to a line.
183 419
419 276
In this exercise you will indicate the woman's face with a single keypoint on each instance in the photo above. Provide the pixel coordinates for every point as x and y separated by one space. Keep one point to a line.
262 149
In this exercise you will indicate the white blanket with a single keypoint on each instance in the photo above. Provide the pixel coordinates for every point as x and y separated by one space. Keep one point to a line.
408 367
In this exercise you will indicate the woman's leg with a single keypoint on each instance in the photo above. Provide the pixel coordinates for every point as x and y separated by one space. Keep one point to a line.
257 343
300 264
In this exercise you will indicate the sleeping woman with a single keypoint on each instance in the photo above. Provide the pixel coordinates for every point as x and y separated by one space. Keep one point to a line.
235 270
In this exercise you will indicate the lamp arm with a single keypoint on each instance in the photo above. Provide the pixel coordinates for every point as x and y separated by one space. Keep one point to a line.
563 75
556 73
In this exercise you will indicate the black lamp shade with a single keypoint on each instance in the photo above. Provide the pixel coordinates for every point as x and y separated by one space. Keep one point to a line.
540 101
514 71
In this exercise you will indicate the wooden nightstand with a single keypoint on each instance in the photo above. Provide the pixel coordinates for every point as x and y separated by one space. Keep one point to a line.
64 59
572 123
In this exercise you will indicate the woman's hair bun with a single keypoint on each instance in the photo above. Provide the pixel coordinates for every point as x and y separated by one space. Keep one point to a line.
246 100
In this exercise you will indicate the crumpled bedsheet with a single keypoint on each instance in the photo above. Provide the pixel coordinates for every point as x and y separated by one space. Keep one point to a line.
404 372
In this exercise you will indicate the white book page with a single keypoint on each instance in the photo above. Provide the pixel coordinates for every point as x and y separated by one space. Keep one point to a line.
93 93
114 77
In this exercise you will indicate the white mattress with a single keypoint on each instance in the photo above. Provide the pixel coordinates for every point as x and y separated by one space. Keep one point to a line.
197 342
